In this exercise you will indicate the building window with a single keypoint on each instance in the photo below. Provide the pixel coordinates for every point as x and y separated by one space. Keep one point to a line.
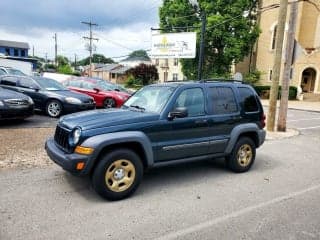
175 62
113 75
274 37
175 76
165 76
23 53
157 62
270 75
7 52
166 62
16 52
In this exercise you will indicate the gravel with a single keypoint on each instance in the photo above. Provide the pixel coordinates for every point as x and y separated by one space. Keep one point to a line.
24 148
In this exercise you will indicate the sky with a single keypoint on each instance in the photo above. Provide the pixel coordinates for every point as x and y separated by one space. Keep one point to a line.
123 25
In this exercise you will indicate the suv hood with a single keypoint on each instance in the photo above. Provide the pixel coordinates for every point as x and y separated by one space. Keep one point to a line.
105 118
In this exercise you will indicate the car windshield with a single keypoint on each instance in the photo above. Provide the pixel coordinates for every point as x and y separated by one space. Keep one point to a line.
13 71
150 98
50 84
105 86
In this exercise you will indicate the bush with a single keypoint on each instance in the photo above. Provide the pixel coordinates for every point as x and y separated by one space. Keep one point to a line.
132 82
252 78
264 92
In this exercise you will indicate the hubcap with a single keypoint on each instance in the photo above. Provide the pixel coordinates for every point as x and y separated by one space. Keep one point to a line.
54 109
109 103
244 155
120 175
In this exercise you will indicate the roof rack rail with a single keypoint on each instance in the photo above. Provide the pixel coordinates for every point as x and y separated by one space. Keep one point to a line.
221 80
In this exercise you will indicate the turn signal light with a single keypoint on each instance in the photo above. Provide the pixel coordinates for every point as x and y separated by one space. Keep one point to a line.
80 165
83 150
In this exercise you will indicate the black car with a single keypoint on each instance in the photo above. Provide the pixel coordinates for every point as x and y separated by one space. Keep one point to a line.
161 124
15 105
48 95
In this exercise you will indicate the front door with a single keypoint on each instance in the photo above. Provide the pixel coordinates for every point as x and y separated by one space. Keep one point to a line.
185 137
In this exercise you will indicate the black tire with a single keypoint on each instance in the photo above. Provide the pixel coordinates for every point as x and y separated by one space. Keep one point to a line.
123 164
109 103
242 156
54 108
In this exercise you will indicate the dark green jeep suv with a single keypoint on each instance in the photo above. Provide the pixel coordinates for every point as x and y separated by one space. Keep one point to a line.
160 124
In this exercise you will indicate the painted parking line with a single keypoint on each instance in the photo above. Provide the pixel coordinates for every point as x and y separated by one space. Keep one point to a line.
210 223
308 128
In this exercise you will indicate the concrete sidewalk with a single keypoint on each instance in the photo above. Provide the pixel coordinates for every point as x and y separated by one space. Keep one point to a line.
297 105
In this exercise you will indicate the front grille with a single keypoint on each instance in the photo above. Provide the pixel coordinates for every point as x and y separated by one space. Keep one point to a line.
61 137
16 102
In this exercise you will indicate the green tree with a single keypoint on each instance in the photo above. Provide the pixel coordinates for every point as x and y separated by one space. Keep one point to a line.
231 31
64 69
96 58
139 53
145 73
62 60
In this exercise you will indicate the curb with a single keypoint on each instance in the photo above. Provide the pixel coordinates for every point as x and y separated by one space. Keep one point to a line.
291 132
298 109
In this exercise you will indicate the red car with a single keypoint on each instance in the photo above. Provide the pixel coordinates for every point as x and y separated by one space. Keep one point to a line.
100 90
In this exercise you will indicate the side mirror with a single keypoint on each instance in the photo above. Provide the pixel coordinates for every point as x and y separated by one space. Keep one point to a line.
180 112
96 89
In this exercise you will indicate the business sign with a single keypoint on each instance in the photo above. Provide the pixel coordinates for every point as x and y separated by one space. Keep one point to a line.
174 45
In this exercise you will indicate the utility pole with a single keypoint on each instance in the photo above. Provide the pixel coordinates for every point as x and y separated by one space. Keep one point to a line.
282 118
277 65
90 38
201 52
55 49
75 61
32 51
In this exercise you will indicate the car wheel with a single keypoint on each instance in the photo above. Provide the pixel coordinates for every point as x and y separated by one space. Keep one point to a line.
242 155
54 108
118 174
109 103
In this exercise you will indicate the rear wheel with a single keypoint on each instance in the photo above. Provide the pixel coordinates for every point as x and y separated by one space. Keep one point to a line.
54 108
109 103
242 156
118 174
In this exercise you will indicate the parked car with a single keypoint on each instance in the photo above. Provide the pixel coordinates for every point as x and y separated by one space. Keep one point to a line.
104 95
114 86
48 95
14 105
161 124
10 71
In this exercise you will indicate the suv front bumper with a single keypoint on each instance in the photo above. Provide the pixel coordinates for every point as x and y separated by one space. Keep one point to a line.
68 161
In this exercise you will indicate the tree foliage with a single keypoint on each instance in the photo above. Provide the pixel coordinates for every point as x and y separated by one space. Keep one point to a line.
96 58
139 53
230 34
145 73
62 60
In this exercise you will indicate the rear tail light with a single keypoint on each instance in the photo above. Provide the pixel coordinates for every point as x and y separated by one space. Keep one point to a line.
263 120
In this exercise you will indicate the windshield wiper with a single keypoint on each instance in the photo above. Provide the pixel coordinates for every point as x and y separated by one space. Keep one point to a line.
138 107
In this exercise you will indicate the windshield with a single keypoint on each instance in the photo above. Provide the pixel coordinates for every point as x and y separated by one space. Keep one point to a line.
150 98
105 86
50 84
13 71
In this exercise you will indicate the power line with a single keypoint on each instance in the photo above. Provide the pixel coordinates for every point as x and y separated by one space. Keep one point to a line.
90 38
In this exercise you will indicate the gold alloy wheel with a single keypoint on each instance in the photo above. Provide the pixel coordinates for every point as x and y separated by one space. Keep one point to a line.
120 175
244 155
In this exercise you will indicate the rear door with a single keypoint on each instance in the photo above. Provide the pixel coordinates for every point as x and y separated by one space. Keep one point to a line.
224 115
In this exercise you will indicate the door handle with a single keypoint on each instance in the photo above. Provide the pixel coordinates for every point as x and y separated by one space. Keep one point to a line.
21 91
202 121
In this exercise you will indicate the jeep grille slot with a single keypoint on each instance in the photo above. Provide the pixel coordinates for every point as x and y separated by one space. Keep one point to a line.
61 137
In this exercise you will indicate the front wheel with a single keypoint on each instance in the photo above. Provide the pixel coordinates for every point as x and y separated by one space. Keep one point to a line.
109 103
54 108
242 155
118 174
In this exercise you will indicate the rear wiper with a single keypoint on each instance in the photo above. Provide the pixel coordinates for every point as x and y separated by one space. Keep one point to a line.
138 107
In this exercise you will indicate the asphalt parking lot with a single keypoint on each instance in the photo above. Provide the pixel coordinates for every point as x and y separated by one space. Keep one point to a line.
278 199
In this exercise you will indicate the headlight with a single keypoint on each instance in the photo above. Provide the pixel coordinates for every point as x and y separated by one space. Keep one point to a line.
122 97
75 136
30 100
73 100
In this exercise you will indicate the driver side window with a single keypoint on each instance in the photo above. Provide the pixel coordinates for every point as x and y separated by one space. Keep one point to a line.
193 100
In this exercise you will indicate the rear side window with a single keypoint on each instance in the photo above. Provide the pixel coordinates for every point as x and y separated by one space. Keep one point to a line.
27 83
223 100
9 81
249 100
